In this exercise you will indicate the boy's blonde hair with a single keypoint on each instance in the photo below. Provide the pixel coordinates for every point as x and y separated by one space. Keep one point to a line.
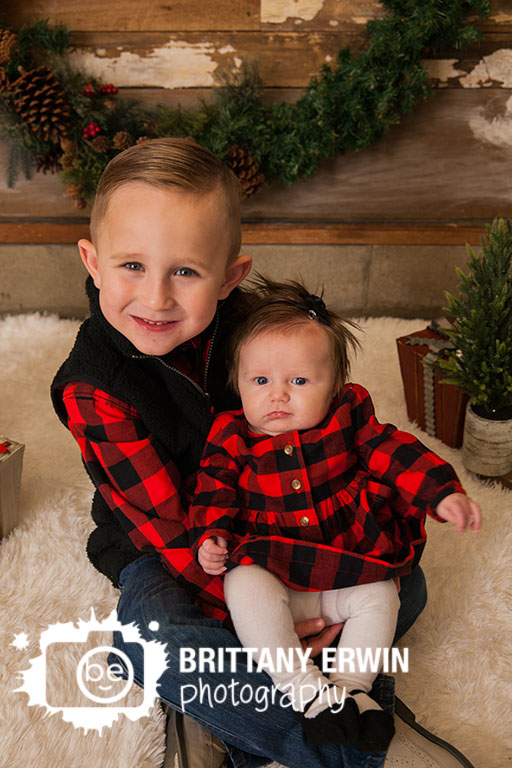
272 305
170 163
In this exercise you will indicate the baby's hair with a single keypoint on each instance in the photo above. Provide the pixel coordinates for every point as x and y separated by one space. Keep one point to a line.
170 163
286 305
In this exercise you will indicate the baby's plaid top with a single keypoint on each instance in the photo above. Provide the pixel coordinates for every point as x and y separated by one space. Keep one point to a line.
334 506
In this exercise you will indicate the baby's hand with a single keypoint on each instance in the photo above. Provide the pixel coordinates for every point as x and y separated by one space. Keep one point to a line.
460 511
212 555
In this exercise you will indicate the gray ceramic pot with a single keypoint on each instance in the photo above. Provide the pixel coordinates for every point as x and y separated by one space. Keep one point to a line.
487 445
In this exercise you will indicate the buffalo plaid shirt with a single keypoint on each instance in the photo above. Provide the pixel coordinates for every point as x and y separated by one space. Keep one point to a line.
334 506
136 478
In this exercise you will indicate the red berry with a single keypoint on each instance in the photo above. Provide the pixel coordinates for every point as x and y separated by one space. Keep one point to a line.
91 130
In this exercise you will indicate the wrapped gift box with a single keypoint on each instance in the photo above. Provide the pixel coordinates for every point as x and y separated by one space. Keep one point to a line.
437 408
11 460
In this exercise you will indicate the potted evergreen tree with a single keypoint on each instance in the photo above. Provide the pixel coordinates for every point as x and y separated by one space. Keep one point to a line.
481 363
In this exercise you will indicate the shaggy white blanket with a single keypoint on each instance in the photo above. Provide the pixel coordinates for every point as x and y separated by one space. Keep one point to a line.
459 683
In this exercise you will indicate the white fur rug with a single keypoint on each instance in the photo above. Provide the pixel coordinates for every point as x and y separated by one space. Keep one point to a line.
459 683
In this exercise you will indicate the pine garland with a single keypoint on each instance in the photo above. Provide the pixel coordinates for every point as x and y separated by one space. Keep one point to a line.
350 105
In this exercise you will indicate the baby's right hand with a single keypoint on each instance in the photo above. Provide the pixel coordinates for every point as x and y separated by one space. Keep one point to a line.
212 555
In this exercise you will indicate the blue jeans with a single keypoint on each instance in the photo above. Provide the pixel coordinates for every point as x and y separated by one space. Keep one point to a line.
251 737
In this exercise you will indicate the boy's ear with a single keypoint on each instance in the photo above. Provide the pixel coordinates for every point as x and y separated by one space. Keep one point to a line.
235 273
90 259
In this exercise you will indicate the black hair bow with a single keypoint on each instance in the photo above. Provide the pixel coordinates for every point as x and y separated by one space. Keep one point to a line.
315 307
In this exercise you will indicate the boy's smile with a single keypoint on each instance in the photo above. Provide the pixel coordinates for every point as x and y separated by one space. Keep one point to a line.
286 378
161 264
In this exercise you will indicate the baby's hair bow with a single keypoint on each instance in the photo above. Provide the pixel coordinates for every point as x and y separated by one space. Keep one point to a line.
315 307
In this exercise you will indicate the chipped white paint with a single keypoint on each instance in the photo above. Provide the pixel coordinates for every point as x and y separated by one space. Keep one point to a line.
174 65
497 131
277 11
360 19
501 18
442 69
328 57
333 22
493 69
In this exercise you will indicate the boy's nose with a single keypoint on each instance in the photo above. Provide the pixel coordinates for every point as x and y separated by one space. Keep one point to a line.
156 295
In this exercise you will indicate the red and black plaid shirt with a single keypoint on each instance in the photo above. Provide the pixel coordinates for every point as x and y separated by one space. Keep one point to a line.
334 506
135 476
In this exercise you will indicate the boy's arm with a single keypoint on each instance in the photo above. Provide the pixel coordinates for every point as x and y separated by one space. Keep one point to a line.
133 474
399 460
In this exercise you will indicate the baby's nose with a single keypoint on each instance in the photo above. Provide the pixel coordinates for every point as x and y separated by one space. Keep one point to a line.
280 394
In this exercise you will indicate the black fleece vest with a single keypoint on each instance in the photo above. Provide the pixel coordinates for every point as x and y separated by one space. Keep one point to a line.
173 409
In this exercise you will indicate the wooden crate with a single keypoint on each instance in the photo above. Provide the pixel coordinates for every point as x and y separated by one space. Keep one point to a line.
11 461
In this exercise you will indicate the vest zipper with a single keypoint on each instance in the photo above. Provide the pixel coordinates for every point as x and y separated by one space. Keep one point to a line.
203 392
208 356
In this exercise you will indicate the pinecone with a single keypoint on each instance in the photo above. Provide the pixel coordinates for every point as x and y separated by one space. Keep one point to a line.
4 81
67 145
39 99
8 41
150 126
74 191
142 139
47 163
122 140
100 144
67 160
244 167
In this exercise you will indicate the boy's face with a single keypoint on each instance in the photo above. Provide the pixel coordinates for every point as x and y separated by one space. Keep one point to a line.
286 378
160 264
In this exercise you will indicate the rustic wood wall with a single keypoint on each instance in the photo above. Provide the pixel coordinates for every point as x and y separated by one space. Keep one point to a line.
436 178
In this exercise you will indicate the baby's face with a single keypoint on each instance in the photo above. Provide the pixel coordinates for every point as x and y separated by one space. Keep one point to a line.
286 378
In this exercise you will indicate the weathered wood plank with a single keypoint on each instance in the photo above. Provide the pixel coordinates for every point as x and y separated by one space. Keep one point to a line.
194 59
134 15
273 234
285 59
217 15
450 160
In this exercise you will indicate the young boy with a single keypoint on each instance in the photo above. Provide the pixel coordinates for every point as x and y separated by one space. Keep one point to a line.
309 490
137 393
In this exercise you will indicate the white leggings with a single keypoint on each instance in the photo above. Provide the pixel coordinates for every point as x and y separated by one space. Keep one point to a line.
264 611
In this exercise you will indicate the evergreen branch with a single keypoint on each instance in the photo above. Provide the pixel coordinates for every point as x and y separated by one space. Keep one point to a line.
348 106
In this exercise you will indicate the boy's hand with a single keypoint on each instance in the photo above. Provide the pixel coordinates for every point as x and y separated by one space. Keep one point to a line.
315 635
460 511
212 555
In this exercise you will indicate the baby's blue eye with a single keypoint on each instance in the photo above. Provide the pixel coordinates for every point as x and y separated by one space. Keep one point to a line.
260 380
299 380
185 272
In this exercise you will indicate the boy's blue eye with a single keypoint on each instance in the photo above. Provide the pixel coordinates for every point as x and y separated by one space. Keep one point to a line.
299 380
185 272
260 380
133 266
